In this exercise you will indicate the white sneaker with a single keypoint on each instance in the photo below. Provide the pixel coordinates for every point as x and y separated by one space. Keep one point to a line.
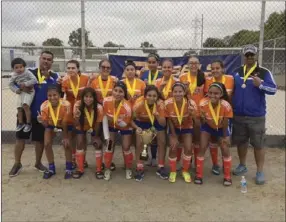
107 174
128 174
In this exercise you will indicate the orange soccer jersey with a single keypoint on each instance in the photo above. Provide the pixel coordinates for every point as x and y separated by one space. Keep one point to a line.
65 113
164 93
140 112
198 93
225 112
124 115
104 90
139 88
86 125
227 80
187 121
67 88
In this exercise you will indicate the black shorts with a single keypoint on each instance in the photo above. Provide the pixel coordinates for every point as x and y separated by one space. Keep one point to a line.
37 131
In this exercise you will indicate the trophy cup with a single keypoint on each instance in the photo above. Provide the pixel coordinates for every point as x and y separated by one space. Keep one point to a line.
147 136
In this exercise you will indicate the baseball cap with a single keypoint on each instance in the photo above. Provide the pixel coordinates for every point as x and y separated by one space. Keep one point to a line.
249 49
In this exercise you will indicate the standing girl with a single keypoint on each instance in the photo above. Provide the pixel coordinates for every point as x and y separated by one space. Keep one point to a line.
56 116
88 116
148 112
118 112
217 71
180 113
215 112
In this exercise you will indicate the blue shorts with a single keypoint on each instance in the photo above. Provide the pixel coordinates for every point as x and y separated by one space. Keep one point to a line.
79 132
122 132
147 125
183 131
217 133
70 127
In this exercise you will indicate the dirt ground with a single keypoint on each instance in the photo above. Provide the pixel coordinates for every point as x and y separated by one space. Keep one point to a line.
28 197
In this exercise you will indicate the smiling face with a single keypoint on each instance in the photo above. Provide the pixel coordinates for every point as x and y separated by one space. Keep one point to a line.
167 68
130 72
194 64
178 93
105 68
214 94
53 97
151 97
217 70
152 63
118 93
88 99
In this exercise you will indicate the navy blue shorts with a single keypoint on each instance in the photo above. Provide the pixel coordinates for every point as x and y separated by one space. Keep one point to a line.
217 133
147 125
122 132
70 127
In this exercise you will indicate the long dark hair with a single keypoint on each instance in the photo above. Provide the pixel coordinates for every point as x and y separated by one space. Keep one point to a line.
222 88
200 75
151 88
82 105
123 86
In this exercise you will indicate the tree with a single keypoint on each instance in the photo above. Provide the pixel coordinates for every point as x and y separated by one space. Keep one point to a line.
148 45
214 42
275 26
244 37
75 40
111 44
28 50
59 52
190 53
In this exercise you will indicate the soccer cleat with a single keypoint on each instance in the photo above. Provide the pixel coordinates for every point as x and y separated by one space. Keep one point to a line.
187 177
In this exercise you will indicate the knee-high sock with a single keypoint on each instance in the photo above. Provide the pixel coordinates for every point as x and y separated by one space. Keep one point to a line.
80 160
98 160
108 156
128 159
186 162
227 167
214 153
200 167
173 164
196 149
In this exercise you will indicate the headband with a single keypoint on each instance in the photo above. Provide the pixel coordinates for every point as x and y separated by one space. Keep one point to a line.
217 85
179 84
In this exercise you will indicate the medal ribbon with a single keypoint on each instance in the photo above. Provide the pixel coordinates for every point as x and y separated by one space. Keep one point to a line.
180 114
75 90
193 84
116 113
131 90
89 117
222 79
248 73
167 88
40 77
151 116
215 116
104 91
51 110
152 82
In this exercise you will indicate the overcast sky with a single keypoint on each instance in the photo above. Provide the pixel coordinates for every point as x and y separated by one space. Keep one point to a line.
165 24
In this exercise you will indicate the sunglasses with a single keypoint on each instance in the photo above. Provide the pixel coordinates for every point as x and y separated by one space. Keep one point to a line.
105 67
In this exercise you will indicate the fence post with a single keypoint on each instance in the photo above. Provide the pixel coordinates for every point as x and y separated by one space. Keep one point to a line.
261 37
273 57
83 36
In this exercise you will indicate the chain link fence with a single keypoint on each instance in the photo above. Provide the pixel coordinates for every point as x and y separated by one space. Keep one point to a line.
172 29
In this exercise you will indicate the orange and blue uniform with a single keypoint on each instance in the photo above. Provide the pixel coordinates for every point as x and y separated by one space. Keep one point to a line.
138 89
227 80
107 85
164 92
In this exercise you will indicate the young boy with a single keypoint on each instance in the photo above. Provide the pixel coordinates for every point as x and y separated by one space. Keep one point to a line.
21 78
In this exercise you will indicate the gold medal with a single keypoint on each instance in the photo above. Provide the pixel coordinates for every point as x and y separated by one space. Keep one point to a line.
152 82
215 116
150 115
193 84
130 90
55 118
246 75
116 113
104 90
89 118
166 89
75 89
181 113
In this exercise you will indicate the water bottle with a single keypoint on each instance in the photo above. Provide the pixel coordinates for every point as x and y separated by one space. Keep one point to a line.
243 185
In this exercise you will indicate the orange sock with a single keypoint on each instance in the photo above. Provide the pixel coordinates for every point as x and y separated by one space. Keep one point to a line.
227 167
200 167
98 160
128 158
173 164
108 158
196 149
214 152
179 153
186 162
80 160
